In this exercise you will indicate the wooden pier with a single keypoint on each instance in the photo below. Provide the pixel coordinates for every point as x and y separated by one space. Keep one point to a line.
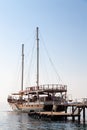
74 115
54 116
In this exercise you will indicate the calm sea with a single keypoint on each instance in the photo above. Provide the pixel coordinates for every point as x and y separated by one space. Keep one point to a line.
10 120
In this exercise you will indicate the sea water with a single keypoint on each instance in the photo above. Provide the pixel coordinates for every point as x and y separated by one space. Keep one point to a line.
10 120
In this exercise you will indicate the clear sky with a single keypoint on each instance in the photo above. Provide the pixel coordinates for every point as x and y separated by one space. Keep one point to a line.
63 26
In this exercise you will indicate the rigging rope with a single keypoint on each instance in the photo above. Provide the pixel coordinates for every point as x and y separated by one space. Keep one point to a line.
52 62
30 64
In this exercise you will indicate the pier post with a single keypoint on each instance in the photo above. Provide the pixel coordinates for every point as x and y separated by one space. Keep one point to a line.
73 118
65 112
84 115
78 115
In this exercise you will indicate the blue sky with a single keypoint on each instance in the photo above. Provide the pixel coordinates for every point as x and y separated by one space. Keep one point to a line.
63 26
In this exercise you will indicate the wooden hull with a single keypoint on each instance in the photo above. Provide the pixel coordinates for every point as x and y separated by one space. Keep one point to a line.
36 107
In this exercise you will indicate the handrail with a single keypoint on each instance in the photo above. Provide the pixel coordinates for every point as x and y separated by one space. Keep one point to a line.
48 87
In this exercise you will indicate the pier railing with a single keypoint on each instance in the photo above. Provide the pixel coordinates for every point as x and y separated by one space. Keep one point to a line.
48 87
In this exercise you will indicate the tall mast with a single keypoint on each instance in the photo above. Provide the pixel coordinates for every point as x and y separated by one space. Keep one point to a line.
22 67
37 40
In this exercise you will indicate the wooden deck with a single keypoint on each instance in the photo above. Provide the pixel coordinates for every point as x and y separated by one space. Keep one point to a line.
57 113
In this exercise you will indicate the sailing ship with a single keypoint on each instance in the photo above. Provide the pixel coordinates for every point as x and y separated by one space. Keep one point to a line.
46 97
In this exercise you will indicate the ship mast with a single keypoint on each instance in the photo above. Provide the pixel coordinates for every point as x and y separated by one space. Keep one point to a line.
22 67
37 40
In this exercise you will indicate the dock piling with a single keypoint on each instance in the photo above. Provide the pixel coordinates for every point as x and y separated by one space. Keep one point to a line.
83 115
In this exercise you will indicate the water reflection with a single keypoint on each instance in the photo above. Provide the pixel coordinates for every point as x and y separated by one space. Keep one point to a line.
21 121
18 121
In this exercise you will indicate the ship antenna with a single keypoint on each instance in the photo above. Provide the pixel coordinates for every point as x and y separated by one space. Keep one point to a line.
22 67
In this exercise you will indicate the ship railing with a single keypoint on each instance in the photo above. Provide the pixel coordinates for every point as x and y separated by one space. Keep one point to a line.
55 103
59 87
